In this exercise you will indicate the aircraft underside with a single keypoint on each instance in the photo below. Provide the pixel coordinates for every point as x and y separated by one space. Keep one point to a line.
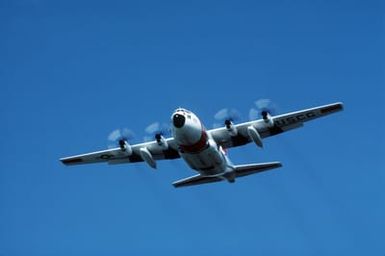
205 150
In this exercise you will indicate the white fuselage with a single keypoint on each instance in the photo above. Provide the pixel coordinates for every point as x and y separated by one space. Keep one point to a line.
196 146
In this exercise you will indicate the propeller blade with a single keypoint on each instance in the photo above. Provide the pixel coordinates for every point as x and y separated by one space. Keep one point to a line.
116 137
152 128
156 128
262 105
226 114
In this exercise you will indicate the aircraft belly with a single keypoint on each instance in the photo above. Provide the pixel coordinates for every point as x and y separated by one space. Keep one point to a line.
209 161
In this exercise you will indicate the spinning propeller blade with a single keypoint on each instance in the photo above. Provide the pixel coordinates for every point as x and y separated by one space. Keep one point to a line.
118 136
225 115
156 129
262 107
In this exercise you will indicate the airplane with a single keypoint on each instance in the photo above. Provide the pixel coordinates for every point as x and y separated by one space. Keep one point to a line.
205 150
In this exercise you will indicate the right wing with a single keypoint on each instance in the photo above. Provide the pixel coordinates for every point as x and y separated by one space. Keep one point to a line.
282 123
117 156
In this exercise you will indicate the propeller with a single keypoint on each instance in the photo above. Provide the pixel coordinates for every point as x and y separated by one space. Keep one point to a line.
262 108
225 116
157 130
119 137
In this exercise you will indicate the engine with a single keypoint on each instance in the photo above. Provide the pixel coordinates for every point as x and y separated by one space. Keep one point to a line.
267 118
125 147
231 128
161 141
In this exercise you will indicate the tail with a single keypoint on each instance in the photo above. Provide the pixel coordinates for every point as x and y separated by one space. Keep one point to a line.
239 171
247 169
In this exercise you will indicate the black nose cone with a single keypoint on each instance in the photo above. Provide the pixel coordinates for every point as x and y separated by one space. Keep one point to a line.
178 120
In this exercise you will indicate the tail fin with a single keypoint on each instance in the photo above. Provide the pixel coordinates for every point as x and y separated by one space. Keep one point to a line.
239 171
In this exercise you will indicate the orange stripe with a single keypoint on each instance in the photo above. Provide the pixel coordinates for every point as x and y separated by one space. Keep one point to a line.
196 147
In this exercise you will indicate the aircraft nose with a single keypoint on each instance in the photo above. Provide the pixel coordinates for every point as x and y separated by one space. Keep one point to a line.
178 120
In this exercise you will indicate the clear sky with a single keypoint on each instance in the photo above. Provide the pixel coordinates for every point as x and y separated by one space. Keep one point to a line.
73 71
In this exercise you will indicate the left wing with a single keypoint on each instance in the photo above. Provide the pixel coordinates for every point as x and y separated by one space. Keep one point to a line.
117 156
281 123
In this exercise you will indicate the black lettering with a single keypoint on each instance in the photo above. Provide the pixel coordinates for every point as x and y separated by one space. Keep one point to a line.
105 156
310 114
294 119
280 122
291 120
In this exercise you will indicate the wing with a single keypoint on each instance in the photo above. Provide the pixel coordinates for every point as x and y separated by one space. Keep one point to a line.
117 156
282 123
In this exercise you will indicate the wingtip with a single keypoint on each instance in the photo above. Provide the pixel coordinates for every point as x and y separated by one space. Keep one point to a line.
340 104
331 108
276 164
69 161
176 185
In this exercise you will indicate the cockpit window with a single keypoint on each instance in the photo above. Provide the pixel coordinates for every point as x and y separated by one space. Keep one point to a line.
183 110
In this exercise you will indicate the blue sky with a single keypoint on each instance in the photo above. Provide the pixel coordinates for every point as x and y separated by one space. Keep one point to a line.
73 71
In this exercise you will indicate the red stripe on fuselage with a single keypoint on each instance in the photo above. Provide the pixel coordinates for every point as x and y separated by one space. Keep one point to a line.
196 147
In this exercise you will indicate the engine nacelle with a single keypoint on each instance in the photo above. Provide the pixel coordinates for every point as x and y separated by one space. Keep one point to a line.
161 141
147 157
125 147
267 118
254 136
231 128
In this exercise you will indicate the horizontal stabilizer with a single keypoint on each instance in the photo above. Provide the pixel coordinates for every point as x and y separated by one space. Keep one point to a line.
239 170
196 180
247 169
